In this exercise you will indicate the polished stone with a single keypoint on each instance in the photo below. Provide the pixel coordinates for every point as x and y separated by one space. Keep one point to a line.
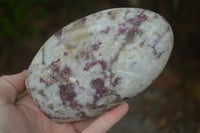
95 63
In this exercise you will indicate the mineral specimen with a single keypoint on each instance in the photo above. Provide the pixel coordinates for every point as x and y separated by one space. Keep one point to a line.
96 62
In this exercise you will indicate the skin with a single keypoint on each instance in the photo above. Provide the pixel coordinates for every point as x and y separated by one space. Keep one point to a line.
25 117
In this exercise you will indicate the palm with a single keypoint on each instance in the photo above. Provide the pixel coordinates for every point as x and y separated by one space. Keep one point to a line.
27 110
24 116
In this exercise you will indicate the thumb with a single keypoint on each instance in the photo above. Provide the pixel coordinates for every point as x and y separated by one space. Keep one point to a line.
10 86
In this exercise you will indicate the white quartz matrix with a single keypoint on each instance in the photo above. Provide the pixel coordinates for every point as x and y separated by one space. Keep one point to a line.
96 62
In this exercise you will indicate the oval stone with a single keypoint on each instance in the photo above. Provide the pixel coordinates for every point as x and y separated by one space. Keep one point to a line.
96 62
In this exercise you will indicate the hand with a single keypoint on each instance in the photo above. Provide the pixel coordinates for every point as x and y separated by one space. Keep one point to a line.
25 117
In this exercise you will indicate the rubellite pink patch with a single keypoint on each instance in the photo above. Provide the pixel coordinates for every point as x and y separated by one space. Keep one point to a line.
95 63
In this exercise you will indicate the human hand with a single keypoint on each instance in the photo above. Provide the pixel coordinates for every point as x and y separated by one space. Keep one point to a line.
25 117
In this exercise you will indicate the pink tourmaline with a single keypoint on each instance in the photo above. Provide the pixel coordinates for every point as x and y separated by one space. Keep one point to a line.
96 62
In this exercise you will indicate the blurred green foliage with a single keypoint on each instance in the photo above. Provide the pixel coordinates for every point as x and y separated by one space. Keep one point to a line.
16 17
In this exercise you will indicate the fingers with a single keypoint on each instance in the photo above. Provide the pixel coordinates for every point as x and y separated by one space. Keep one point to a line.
10 86
81 125
107 120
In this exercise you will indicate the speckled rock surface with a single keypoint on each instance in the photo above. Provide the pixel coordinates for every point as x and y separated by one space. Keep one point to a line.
96 62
